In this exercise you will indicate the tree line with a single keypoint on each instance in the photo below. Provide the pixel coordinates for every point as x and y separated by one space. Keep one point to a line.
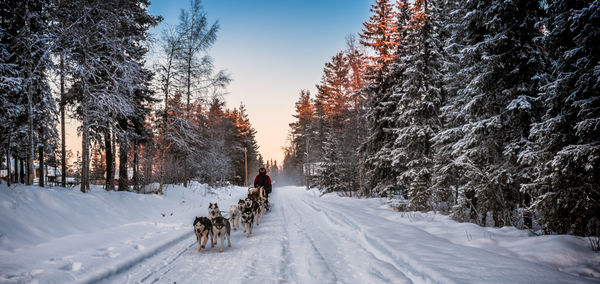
166 119
485 110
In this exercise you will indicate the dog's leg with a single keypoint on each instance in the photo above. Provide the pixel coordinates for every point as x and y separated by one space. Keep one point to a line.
199 240
249 229
213 239
206 235
228 235
222 240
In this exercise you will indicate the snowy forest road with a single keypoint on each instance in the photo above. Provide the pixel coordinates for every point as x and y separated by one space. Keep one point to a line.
311 239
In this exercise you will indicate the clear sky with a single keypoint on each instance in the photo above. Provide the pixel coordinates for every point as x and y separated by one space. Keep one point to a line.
272 49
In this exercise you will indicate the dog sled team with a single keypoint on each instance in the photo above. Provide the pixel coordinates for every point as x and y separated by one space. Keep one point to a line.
247 212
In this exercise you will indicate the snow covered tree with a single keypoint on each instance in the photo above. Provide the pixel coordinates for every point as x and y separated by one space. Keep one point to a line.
246 135
340 159
25 41
416 82
503 65
194 66
10 83
447 178
301 133
381 106
566 160
380 34
106 47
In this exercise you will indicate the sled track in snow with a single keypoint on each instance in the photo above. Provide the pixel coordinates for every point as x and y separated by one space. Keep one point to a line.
168 264
120 268
375 244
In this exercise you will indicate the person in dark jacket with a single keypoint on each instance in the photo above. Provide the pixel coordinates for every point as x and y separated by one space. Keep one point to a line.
262 179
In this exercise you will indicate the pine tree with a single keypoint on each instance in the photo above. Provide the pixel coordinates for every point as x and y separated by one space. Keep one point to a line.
503 65
380 34
448 178
378 145
566 185
417 85
300 136
195 68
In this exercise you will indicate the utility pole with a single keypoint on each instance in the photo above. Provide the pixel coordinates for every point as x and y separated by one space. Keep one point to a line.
307 168
246 166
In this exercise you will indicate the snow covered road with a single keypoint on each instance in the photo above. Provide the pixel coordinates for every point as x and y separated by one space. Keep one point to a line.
307 239
57 235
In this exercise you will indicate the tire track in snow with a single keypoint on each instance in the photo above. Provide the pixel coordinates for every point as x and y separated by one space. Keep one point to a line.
291 208
168 265
385 260
377 245
286 266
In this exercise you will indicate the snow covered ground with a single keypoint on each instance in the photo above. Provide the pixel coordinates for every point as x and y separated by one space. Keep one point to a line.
60 235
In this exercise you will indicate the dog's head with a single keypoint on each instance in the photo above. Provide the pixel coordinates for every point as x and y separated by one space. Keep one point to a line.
248 202
213 209
219 223
262 201
241 204
199 225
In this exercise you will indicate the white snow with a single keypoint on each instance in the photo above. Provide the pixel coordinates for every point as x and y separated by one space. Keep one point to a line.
60 235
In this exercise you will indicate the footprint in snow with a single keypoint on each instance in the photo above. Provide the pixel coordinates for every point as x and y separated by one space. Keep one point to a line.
73 266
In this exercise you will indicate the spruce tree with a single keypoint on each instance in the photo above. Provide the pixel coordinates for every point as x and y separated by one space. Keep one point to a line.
566 185
503 66
417 85
380 34
381 116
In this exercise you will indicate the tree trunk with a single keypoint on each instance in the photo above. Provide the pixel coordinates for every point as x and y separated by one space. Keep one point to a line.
16 178
21 171
63 160
136 178
41 167
30 154
85 143
110 170
114 153
123 176
8 176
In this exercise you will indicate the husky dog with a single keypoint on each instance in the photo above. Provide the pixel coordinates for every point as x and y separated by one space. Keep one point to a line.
247 220
241 205
262 203
202 228
213 211
234 216
248 203
256 193
222 229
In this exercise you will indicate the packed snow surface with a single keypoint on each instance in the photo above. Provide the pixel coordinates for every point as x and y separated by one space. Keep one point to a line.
58 235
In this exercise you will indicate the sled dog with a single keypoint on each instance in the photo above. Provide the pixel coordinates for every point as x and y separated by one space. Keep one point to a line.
255 193
241 204
221 229
247 220
202 228
262 203
213 211
234 216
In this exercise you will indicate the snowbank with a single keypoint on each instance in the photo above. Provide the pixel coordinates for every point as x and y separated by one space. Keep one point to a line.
61 235
566 253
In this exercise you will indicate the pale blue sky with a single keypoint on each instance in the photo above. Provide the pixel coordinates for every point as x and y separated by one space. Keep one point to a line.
272 49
